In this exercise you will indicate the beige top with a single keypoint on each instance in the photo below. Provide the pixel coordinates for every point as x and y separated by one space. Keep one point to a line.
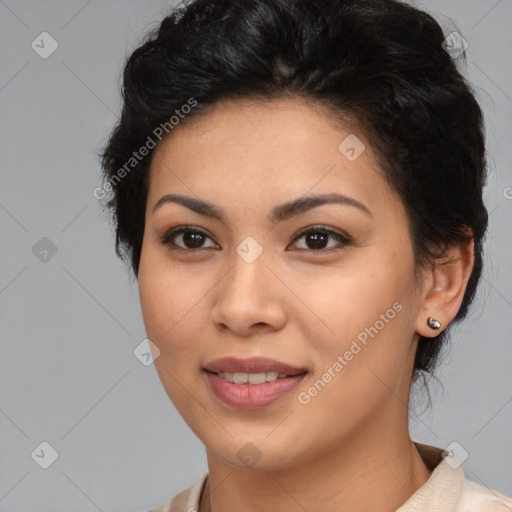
447 490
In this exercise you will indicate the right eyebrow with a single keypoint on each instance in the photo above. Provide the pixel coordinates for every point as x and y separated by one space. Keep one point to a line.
196 205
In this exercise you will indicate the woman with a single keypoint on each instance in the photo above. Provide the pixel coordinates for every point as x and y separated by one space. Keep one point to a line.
298 188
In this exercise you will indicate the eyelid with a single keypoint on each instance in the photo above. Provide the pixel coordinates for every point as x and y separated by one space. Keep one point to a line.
178 230
323 228
341 237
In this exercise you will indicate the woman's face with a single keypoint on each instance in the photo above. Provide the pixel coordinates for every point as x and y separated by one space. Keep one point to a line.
250 285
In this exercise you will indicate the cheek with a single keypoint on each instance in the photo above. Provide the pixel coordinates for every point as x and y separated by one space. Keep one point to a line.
363 315
343 301
171 313
171 304
362 369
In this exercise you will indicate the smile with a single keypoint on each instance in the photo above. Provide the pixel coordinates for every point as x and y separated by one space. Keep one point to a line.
250 391
251 378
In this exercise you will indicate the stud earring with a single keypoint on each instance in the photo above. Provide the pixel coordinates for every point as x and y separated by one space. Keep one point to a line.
433 323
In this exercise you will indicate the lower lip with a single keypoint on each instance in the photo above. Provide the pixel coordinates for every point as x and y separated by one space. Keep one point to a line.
251 396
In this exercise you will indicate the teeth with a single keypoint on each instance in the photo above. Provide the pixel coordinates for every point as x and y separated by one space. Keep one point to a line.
226 376
251 378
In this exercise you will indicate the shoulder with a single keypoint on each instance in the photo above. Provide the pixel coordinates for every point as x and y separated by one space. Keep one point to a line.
186 500
479 498
449 490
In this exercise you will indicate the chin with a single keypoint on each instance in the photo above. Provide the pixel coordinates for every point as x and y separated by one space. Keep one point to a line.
258 454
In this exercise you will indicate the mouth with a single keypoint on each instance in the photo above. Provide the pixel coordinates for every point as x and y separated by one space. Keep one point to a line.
251 383
255 366
253 379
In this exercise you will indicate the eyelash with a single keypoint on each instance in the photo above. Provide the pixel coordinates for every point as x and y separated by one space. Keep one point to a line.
342 239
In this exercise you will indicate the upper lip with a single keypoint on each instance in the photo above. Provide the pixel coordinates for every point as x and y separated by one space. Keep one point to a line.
251 365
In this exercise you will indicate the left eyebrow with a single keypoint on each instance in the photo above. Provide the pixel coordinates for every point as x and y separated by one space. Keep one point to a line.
303 204
280 213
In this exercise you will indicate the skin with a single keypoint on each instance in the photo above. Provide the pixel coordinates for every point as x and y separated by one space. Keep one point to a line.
295 303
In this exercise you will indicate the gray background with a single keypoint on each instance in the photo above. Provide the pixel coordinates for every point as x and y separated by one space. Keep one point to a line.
69 325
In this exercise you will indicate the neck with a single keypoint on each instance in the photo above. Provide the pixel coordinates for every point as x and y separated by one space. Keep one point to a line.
375 468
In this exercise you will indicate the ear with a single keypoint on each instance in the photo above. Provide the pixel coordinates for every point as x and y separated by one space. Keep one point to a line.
444 287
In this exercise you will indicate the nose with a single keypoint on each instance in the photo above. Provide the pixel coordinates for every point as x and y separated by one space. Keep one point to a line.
250 299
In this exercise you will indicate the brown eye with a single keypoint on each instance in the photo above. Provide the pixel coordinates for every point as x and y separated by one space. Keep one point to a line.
317 238
191 239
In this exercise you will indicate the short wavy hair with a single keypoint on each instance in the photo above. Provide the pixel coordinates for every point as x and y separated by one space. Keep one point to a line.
379 65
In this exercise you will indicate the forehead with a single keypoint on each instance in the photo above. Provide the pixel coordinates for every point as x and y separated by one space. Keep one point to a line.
271 123
261 149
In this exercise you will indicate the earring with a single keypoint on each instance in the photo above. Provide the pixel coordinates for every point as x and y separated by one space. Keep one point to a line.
433 323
